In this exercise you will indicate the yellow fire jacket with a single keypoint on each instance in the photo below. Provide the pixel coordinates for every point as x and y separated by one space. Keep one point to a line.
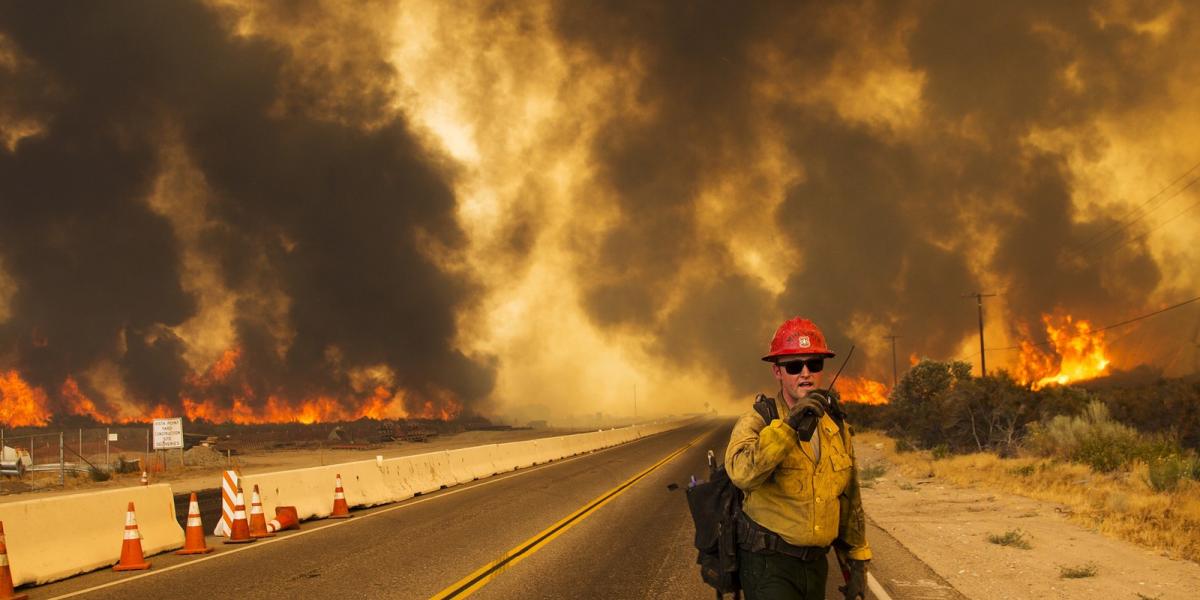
805 502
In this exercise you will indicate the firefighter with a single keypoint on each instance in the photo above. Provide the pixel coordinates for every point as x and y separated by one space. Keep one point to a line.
799 478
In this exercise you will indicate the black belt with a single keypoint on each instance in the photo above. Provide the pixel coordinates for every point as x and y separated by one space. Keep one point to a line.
753 537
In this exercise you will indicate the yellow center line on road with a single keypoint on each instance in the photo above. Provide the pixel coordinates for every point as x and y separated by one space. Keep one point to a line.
359 517
473 582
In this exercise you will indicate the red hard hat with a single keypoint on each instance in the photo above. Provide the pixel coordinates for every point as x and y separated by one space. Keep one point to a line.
797 336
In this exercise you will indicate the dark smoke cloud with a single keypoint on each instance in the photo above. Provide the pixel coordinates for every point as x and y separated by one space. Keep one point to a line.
894 227
336 216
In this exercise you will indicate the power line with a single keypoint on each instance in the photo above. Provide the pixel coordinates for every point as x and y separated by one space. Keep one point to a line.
1115 235
1114 325
1125 222
1164 223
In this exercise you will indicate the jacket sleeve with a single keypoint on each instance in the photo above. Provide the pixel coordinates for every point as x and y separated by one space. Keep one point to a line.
748 461
852 526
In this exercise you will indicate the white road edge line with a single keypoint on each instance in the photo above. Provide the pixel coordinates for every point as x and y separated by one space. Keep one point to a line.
400 504
876 588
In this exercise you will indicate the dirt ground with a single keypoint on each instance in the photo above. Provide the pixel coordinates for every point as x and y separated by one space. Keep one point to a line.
947 527
262 460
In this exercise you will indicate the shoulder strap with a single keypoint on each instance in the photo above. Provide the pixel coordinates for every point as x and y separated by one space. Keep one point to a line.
765 407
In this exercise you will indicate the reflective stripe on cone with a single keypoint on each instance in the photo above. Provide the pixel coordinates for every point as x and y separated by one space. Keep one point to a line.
132 558
240 530
194 539
341 510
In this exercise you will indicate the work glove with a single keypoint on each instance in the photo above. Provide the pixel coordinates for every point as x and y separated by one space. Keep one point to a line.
856 586
806 412
773 443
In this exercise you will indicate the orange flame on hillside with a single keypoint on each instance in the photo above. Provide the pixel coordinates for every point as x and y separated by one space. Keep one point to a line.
204 400
80 404
862 390
219 395
20 403
1079 353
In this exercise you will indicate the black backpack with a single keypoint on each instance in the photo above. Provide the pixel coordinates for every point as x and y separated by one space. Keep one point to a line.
715 505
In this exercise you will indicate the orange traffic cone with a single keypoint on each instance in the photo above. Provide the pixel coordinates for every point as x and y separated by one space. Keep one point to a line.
258 521
6 586
145 478
285 518
239 532
194 538
131 548
341 510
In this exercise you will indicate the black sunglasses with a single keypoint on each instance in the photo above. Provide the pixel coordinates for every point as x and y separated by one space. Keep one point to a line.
794 367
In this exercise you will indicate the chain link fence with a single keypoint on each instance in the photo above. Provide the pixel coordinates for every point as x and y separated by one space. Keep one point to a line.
48 459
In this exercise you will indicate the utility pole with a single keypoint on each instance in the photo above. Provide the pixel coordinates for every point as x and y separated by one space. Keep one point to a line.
982 357
893 338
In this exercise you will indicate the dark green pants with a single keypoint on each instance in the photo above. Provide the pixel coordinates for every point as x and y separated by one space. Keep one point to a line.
779 577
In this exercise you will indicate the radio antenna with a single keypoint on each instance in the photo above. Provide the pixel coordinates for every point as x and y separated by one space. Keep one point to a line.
839 371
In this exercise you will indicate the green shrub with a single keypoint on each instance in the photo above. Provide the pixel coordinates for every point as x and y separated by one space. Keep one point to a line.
1092 438
1165 473
1024 471
1104 455
99 474
941 451
1192 468
870 472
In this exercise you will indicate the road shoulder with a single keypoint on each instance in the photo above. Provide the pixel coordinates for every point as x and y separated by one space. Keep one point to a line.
947 527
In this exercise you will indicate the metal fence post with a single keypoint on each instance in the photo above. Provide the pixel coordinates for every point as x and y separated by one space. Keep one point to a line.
80 443
62 462
107 462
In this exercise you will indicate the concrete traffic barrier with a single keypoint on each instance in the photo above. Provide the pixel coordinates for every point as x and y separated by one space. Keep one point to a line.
372 482
553 448
515 455
469 464
418 473
365 484
55 537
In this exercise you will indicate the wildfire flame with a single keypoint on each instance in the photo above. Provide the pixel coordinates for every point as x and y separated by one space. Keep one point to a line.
862 390
79 403
1078 354
218 395
20 403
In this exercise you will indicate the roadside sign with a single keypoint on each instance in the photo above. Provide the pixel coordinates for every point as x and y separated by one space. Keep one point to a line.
112 437
168 433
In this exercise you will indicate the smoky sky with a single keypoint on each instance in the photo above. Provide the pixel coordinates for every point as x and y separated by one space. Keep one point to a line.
330 218
887 223
335 217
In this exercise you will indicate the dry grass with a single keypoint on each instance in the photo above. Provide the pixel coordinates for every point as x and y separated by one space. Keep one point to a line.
1121 504
1079 572
1013 537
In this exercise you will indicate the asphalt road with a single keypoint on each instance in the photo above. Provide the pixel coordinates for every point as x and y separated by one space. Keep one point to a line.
572 538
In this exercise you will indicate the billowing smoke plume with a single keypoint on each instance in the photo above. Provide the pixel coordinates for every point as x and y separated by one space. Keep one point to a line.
322 234
563 207
900 205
